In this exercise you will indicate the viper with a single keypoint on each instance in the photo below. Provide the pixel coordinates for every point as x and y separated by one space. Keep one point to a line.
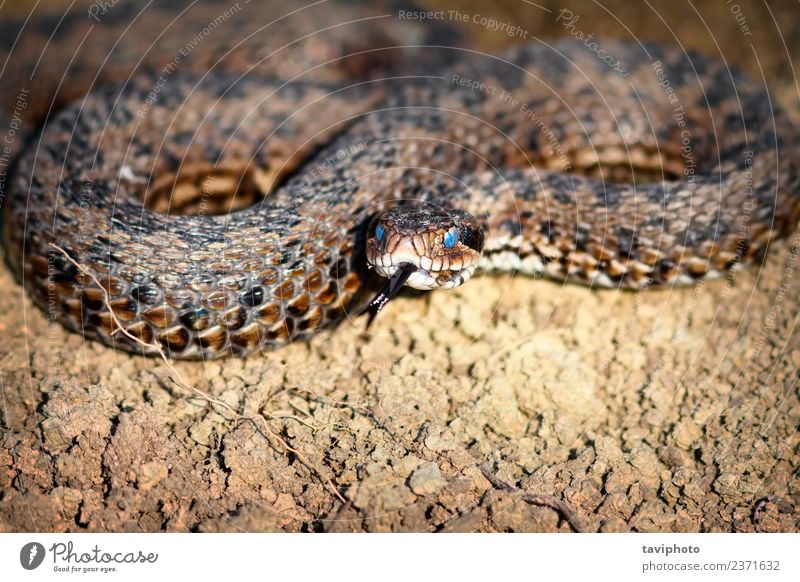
216 208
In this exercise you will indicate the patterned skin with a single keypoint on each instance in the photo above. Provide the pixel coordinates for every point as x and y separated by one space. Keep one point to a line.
234 213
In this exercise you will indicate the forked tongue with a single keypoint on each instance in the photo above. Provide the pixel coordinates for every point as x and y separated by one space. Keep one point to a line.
389 292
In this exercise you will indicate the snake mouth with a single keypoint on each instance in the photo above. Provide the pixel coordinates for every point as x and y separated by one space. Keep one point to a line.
427 279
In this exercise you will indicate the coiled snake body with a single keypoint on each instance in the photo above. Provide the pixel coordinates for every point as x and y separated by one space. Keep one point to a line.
540 160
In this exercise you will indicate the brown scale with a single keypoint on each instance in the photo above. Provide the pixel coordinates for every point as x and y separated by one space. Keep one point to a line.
268 314
142 331
284 290
233 319
160 317
248 338
124 309
175 339
213 339
298 306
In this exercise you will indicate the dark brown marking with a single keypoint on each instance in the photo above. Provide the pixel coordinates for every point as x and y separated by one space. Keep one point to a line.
269 314
248 337
141 331
73 307
282 332
175 339
124 308
299 306
311 321
328 293
40 265
103 321
93 298
213 338
113 285
234 318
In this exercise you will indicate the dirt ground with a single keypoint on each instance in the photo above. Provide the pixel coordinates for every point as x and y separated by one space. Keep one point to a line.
604 411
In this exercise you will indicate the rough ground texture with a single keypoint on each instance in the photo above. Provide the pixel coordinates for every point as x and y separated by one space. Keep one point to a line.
659 411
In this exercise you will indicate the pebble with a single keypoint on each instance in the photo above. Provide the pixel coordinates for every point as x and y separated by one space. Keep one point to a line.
426 479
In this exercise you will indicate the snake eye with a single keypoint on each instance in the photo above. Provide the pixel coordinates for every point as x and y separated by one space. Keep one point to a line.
379 232
472 237
450 238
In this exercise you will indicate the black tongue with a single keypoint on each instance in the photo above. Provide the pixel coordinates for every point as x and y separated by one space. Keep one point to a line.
388 293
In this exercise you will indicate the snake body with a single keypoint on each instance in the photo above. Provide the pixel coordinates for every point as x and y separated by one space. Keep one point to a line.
233 213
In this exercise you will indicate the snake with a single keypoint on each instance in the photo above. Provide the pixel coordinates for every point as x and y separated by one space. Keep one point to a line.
236 209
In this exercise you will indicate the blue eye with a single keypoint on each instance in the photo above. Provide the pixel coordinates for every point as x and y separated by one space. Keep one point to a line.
379 232
450 238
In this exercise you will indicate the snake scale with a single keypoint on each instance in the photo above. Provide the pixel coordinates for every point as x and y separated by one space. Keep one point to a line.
252 200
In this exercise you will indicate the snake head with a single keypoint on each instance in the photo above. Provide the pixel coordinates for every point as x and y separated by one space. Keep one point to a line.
424 248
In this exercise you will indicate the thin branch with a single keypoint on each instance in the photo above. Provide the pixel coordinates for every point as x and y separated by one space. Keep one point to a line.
564 510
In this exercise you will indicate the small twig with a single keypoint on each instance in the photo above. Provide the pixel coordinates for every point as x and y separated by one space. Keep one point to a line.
564 510
178 379
314 428
362 410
